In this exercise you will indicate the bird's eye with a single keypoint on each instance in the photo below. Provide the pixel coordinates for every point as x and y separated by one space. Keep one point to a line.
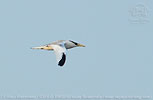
74 42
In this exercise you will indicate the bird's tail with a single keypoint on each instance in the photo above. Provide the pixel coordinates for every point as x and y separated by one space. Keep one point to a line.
43 48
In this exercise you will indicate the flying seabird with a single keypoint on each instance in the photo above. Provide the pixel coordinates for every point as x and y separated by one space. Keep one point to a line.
60 47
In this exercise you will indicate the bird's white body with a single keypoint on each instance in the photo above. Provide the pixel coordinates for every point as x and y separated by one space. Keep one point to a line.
59 47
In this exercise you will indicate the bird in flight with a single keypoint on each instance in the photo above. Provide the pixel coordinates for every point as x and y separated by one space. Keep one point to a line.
59 47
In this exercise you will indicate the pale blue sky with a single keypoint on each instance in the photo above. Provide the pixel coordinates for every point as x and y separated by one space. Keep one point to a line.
117 60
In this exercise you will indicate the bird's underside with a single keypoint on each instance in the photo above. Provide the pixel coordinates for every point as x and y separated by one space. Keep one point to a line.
59 47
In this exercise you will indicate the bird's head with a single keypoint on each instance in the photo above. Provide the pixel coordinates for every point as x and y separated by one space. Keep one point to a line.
77 44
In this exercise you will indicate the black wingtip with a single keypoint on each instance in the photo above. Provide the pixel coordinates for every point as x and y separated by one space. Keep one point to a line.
62 61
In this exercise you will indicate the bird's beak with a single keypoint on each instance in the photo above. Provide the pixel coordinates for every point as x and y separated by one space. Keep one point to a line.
80 45
43 48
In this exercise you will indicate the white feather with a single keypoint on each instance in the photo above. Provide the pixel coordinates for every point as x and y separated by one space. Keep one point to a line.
59 50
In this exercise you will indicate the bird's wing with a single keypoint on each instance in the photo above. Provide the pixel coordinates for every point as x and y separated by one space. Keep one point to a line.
60 52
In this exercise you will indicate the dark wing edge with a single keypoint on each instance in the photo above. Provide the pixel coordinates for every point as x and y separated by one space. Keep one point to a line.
62 61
